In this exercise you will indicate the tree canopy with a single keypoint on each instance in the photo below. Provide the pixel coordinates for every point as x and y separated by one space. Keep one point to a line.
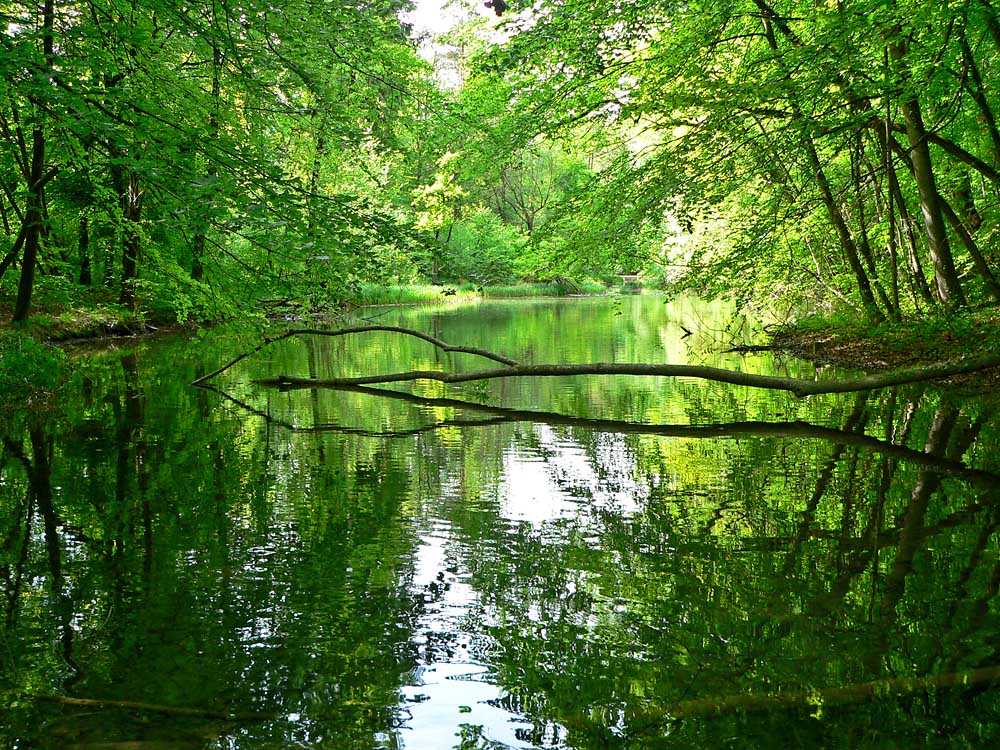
191 158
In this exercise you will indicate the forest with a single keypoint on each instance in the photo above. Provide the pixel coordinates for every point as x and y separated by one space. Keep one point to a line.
293 516
182 160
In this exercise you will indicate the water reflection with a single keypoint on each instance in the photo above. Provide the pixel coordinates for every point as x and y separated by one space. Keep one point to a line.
532 566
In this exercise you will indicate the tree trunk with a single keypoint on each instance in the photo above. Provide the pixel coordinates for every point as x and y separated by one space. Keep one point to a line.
979 95
769 19
11 257
844 233
131 203
198 246
316 174
965 202
83 247
889 143
863 244
890 205
991 22
36 185
978 260
945 277
32 227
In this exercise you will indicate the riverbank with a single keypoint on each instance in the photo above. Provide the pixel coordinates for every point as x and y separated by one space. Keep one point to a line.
825 341
896 345
92 314
97 316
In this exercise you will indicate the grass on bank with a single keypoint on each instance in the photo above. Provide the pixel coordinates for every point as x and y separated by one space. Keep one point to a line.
559 288
410 294
377 294
92 312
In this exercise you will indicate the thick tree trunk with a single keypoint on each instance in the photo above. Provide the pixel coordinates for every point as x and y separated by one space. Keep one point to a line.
978 259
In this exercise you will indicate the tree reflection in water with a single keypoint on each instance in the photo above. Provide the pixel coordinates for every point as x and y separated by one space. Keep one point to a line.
361 568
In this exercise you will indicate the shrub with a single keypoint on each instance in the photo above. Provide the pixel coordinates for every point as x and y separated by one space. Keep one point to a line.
29 369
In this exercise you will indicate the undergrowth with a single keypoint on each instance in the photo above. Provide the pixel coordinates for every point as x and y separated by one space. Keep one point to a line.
30 371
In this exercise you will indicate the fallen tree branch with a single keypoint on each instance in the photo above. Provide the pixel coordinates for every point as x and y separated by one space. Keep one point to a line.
443 345
799 387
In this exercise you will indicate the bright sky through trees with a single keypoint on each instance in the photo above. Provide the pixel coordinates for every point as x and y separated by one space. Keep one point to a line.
433 17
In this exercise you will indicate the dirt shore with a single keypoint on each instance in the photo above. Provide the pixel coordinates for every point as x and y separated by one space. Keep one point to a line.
900 346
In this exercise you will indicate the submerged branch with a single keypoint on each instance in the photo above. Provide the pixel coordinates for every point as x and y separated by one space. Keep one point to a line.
785 430
503 415
832 696
153 708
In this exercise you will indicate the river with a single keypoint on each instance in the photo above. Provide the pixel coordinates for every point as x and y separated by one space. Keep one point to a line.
534 563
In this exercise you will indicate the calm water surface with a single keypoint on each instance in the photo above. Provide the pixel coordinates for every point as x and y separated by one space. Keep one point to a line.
536 563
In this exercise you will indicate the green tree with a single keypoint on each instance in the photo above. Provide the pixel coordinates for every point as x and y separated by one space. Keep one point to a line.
201 147
781 120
